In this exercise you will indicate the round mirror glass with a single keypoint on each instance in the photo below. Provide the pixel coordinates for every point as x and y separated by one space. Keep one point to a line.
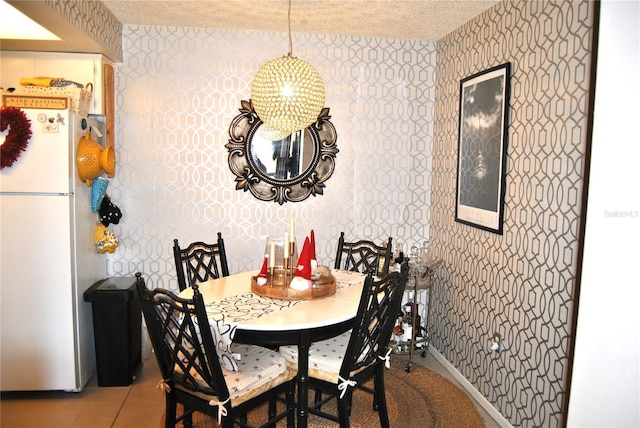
282 159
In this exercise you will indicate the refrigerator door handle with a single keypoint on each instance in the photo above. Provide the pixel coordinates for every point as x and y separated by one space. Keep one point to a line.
35 194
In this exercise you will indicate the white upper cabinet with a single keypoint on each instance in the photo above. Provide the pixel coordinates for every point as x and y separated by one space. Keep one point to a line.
80 68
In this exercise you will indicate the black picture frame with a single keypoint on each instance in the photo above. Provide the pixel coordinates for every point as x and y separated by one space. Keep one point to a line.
482 148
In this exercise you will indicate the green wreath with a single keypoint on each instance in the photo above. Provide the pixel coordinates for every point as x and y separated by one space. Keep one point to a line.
18 136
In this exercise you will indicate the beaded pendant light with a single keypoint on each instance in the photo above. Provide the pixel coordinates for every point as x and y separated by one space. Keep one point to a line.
287 93
270 134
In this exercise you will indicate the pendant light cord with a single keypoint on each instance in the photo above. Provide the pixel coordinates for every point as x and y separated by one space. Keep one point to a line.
289 21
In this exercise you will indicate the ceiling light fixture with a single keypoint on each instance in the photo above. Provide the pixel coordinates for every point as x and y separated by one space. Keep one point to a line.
270 134
287 93
18 26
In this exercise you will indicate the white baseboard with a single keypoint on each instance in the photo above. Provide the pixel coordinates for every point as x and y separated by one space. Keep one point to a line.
471 390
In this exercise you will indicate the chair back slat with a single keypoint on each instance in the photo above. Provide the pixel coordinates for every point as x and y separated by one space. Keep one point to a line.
363 256
200 262
379 305
180 334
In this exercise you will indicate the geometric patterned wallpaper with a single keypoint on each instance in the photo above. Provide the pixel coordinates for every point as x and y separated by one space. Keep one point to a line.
519 284
96 21
177 91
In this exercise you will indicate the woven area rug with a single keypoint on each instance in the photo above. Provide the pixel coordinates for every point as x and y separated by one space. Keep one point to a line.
421 398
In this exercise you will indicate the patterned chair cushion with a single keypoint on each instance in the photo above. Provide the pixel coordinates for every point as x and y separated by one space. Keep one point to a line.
325 357
257 366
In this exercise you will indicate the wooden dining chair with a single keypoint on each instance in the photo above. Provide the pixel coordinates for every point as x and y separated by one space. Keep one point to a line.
339 364
200 262
363 256
192 374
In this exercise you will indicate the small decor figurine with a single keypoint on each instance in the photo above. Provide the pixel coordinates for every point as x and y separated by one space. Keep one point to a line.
262 276
302 278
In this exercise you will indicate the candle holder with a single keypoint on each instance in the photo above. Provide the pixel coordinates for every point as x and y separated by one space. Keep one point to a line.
274 248
278 263
279 277
293 254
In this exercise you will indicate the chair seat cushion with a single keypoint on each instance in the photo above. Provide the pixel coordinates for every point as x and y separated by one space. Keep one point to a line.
283 377
325 357
257 366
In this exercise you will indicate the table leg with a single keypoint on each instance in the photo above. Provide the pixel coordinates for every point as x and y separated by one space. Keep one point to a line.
303 378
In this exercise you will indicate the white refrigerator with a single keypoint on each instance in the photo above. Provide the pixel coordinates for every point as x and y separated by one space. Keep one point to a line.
47 260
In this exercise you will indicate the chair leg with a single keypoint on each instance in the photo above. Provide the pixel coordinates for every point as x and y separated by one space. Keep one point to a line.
349 400
375 402
227 422
380 400
291 405
343 412
272 409
170 411
187 421
318 398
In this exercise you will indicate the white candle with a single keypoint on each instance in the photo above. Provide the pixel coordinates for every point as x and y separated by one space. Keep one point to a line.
292 231
272 254
286 245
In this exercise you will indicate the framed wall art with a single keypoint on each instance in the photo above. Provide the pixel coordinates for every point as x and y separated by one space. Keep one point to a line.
482 148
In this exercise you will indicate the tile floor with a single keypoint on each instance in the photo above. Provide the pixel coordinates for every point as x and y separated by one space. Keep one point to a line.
140 405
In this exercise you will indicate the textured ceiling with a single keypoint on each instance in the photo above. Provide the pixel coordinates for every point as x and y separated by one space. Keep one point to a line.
402 19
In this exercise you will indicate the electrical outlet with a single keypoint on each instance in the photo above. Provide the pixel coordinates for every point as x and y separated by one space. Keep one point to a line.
495 343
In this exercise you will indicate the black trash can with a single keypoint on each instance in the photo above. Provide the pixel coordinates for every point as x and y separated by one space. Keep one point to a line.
117 324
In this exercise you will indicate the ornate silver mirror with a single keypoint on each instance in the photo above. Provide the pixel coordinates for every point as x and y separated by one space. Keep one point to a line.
288 169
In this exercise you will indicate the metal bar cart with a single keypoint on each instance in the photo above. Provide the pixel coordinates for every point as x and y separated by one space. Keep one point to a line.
420 278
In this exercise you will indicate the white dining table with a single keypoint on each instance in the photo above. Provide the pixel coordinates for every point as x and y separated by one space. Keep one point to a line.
272 322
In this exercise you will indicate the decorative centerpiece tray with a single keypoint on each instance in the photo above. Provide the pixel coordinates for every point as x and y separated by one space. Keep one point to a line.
277 287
